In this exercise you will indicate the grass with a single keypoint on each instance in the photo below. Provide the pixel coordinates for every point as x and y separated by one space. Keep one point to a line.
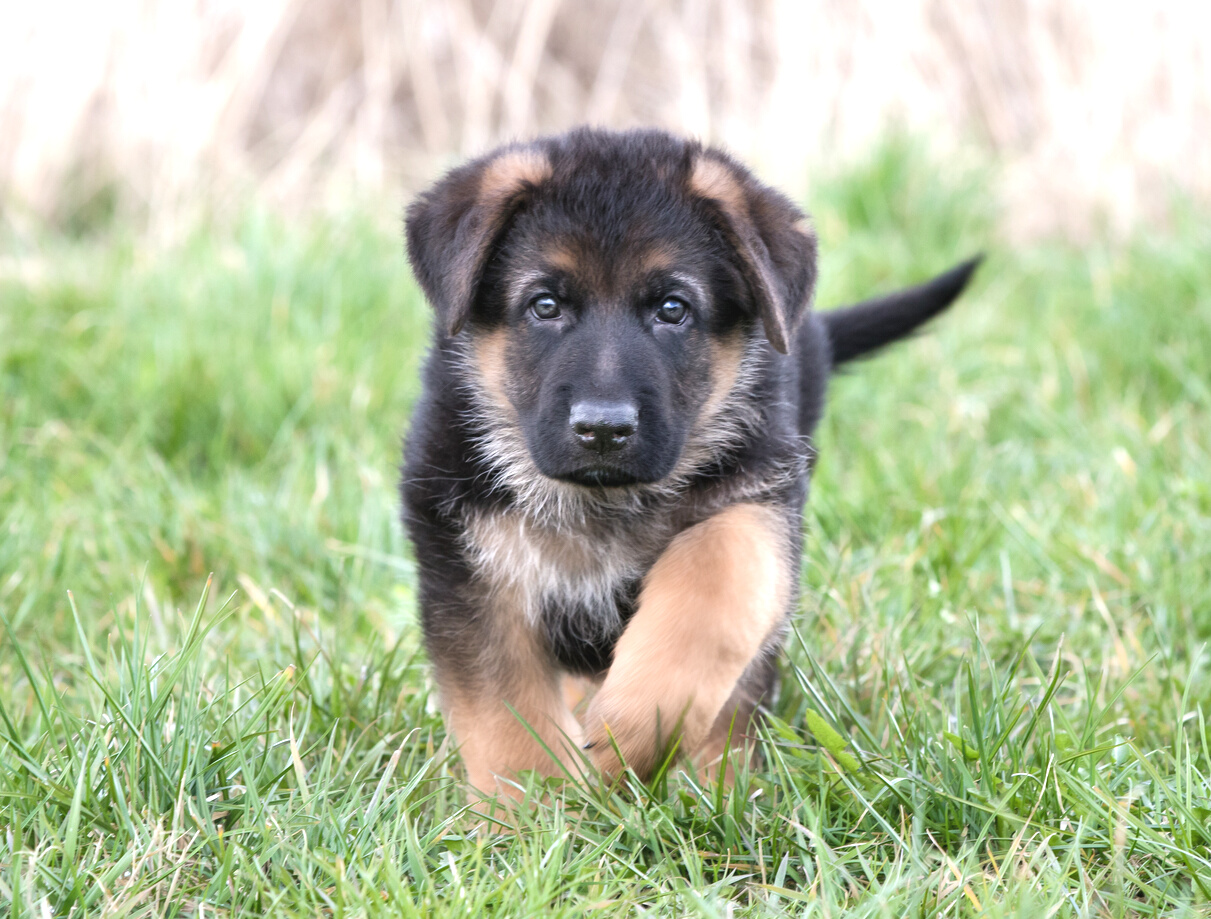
213 699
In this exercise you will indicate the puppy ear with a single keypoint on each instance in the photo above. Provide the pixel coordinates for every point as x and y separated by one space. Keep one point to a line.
452 228
772 238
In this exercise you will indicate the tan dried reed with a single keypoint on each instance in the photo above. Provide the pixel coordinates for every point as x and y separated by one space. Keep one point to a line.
1095 109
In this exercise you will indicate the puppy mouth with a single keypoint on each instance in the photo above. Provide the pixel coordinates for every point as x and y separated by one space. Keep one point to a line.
600 477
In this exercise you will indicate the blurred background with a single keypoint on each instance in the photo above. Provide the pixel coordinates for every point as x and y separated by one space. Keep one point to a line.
1097 114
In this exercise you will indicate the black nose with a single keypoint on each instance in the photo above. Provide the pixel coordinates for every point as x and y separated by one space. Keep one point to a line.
603 426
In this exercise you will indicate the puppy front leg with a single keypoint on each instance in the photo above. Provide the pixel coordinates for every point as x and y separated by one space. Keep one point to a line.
507 710
706 610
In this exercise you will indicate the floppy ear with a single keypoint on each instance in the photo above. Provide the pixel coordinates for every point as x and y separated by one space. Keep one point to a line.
773 240
452 228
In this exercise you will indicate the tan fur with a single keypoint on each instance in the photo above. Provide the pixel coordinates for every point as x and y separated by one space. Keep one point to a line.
714 179
730 740
706 609
577 691
727 354
489 357
506 174
534 563
518 692
562 258
658 258
727 413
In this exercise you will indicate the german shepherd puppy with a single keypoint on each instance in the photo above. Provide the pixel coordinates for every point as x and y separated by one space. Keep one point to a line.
605 474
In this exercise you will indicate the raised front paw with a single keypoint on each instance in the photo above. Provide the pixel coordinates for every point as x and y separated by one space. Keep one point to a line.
706 610
637 725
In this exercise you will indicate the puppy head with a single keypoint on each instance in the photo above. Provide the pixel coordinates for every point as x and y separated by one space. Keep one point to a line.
608 287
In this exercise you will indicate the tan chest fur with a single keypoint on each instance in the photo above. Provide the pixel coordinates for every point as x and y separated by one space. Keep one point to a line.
556 571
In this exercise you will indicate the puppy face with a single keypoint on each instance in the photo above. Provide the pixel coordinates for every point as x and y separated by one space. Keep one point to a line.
608 287
609 348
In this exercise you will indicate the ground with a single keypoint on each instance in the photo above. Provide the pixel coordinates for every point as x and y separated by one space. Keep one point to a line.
212 695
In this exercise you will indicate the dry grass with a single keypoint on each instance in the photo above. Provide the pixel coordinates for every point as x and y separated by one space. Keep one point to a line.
1097 109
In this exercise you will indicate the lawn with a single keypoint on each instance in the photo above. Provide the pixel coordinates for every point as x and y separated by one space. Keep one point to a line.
213 699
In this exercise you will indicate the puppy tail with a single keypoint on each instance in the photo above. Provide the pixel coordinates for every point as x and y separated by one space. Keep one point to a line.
858 330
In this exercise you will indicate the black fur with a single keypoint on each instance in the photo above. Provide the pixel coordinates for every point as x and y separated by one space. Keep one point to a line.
861 329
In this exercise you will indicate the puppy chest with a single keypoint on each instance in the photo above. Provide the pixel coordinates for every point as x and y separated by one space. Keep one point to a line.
577 587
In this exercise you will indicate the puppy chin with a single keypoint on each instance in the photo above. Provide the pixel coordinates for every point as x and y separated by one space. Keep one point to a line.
598 473
601 472
600 477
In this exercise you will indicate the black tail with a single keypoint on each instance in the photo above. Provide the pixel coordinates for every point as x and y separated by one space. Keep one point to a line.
865 327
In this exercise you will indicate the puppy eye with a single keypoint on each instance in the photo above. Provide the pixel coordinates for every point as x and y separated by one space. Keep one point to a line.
672 311
545 307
